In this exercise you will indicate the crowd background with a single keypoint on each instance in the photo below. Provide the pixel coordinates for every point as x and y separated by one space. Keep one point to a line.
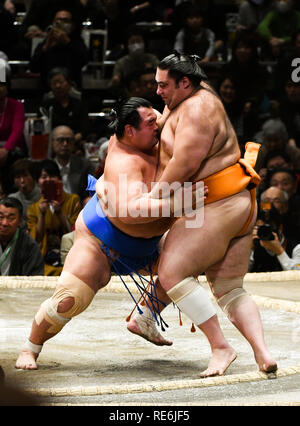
66 63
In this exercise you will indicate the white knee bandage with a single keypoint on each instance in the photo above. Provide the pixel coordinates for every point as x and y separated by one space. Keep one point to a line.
232 292
192 300
69 286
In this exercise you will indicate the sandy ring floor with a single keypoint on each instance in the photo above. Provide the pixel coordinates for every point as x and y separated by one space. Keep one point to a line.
285 301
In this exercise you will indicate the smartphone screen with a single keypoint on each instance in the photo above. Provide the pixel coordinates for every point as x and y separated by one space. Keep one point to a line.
52 190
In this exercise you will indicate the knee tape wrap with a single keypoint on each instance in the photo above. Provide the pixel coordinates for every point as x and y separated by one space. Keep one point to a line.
68 286
233 293
192 300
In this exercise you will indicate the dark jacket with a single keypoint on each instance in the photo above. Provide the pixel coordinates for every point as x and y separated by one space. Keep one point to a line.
26 257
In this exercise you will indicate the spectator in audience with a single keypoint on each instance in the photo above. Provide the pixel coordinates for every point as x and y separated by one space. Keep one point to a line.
116 15
286 180
249 73
251 13
62 47
8 32
12 142
41 12
277 160
289 110
136 60
67 240
242 115
74 169
24 176
194 37
102 157
214 19
147 88
274 137
10 7
279 199
67 109
19 253
272 251
279 25
52 216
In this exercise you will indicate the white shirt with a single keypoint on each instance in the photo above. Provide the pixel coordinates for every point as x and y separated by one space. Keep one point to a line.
64 171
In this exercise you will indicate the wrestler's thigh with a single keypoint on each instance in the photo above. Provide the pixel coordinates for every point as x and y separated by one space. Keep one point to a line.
188 252
86 261
191 251
235 263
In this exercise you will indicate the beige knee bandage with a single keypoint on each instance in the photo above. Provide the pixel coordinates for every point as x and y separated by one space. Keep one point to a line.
233 293
192 300
68 286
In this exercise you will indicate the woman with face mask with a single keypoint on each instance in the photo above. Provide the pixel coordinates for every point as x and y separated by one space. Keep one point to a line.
278 26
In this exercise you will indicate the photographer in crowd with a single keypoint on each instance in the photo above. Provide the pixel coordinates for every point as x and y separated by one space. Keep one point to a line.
53 215
271 250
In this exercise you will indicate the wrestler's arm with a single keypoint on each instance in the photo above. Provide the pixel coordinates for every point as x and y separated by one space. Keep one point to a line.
130 193
194 135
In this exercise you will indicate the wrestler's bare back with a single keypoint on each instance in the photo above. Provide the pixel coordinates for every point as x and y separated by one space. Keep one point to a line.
137 166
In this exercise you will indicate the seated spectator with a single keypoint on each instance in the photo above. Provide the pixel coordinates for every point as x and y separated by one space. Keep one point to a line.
277 160
272 250
19 253
67 109
241 114
137 59
12 142
274 137
62 47
251 13
247 71
286 180
116 15
67 240
273 160
52 216
40 15
279 199
143 84
289 110
279 25
8 32
102 154
214 19
74 169
194 38
24 176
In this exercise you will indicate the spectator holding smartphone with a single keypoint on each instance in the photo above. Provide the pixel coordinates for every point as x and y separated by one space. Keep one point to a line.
53 215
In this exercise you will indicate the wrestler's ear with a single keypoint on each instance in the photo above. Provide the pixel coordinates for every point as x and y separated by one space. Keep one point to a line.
185 82
128 130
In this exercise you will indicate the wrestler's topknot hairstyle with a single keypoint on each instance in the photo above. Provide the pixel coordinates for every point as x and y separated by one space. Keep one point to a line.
125 112
181 65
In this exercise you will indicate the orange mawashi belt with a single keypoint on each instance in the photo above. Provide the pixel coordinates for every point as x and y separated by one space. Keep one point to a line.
236 178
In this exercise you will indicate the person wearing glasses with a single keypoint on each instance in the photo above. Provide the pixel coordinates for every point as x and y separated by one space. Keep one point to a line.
74 169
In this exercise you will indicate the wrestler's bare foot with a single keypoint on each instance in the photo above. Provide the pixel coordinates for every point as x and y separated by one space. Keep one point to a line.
220 361
146 328
27 360
266 363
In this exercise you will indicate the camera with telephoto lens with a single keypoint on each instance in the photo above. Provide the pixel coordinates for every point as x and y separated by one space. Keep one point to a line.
272 220
265 232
